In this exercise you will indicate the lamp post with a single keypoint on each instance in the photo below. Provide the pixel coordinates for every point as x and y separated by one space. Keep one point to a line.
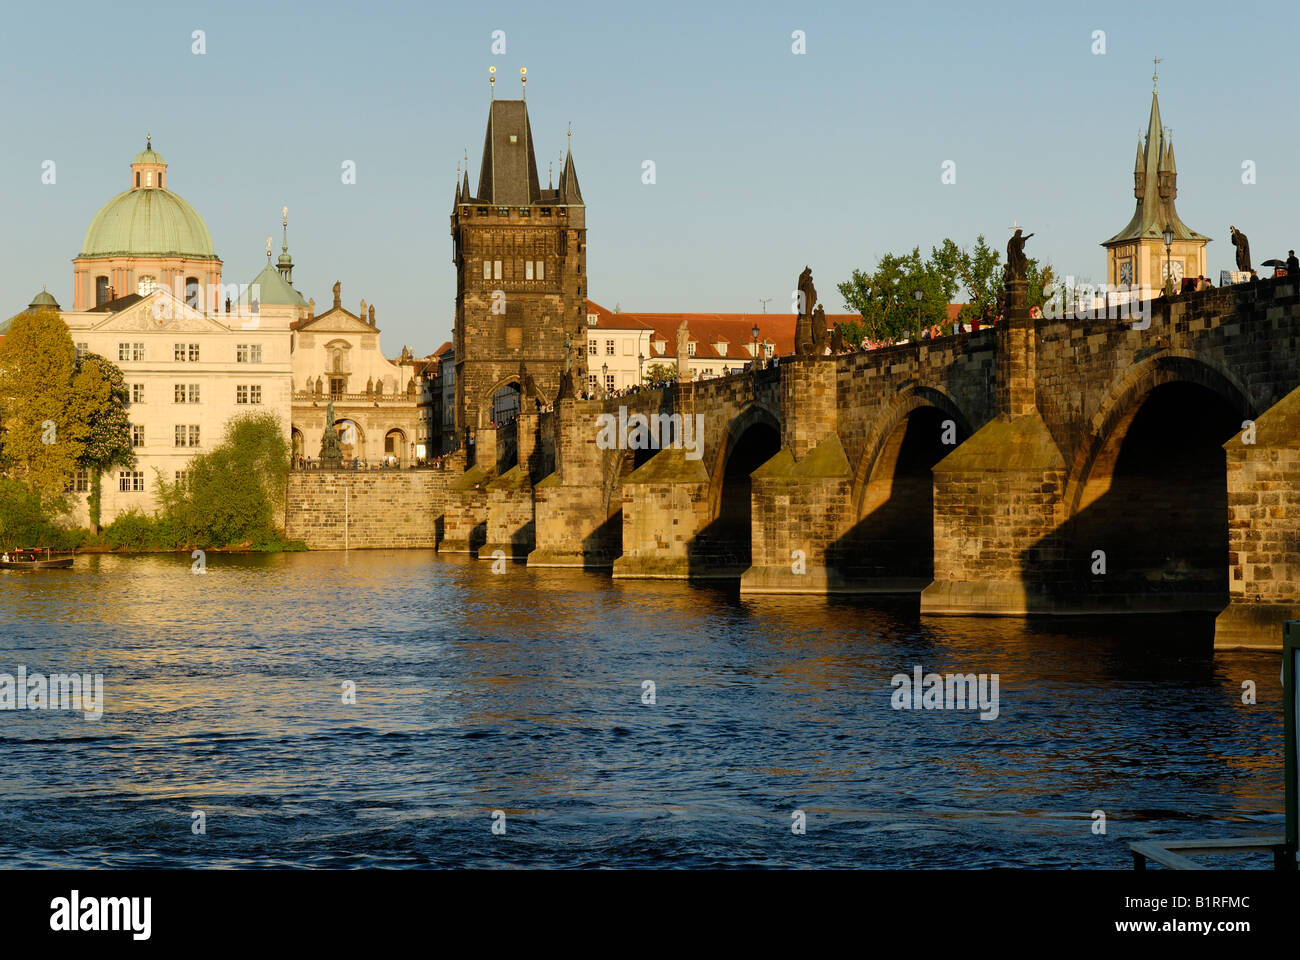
640 367
918 295
754 334
604 380
1169 277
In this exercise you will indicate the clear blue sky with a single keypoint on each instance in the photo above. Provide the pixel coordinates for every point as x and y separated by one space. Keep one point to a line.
765 160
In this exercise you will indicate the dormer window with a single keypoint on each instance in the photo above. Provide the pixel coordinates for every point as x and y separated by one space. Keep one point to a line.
690 348
721 347
592 319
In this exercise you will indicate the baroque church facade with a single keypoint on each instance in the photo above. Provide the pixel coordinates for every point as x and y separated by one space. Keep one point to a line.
148 295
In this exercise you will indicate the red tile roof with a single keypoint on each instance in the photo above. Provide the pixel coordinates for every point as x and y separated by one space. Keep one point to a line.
735 330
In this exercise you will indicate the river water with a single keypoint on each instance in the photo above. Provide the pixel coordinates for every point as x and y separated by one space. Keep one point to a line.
522 693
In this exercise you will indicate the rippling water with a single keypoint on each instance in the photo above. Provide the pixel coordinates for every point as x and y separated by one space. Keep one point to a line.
522 693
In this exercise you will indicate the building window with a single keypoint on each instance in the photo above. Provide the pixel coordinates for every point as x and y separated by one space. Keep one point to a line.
124 351
528 269
81 481
593 319
137 435
186 351
591 347
503 211
148 179
181 476
191 283
609 381
101 291
609 348
245 393
767 349
187 435
187 393
690 348
541 270
248 353
496 269
137 178
591 382
336 387
130 481
82 348
487 269
145 285
137 393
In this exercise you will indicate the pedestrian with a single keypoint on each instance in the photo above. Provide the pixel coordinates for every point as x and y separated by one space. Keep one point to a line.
1292 264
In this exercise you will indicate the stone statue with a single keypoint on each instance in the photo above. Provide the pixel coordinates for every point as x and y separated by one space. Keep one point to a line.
683 337
311 308
331 451
362 314
1243 249
568 353
1017 263
805 337
821 336
837 340
372 314
566 379
338 295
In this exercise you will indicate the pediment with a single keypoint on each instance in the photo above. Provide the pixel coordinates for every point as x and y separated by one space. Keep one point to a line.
335 320
161 312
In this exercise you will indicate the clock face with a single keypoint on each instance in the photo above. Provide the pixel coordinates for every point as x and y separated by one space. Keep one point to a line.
1126 272
1175 271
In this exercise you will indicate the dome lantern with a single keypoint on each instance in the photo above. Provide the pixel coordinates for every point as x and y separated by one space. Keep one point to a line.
148 168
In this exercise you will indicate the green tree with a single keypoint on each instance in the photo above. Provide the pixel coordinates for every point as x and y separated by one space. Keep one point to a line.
660 371
44 430
886 298
108 443
234 493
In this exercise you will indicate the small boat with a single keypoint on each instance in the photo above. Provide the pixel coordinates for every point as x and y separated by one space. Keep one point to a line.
41 559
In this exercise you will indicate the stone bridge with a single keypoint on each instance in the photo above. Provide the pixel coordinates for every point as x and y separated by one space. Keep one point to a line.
1059 465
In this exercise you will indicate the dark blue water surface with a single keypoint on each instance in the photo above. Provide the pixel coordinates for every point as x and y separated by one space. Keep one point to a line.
522 693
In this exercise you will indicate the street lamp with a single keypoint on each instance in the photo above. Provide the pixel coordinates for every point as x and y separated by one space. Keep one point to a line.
1169 277
754 333
640 367
918 295
604 379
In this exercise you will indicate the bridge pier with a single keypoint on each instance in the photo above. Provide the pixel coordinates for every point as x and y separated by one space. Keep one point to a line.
665 513
572 527
464 515
1263 529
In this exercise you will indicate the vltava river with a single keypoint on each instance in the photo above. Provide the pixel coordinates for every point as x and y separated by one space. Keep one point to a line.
522 693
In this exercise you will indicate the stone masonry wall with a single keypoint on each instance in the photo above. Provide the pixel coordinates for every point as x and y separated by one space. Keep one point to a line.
367 509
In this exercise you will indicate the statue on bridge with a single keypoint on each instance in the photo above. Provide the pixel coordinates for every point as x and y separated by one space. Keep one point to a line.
821 336
805 335
331 450
1243 249
1017 262
566 379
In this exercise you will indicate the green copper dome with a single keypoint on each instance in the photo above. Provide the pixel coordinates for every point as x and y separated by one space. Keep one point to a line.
148 155
43 299
148 223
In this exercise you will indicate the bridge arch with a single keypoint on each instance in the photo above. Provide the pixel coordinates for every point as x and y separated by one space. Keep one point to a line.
892 493
1124 399
887 427
752 426
1147 489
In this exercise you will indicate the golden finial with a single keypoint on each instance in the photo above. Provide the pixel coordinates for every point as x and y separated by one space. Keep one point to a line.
492 80
523 81
268 249
1155 70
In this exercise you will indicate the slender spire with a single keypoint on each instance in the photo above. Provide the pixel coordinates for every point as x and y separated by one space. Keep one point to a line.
285 262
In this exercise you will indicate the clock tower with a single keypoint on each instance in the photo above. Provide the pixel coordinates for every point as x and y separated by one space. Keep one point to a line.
1136 256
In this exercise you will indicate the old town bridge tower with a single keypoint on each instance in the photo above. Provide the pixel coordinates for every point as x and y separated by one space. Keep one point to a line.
520 252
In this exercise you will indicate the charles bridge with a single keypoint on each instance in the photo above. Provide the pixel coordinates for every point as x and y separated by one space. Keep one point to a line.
1049 466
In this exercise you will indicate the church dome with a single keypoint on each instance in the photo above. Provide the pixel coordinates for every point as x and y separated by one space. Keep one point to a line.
148 223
